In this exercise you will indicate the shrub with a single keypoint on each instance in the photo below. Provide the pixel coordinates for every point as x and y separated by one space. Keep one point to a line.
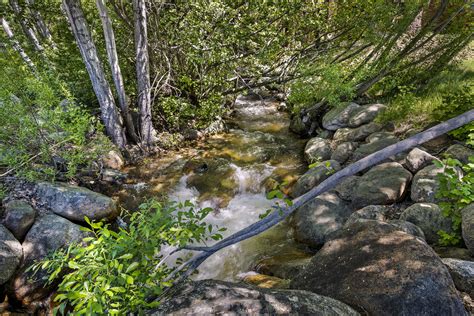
114 272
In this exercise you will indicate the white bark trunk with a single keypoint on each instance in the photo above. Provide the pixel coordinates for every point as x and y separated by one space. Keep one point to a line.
27 29
40 24
109 113
16 45
115 68
147 132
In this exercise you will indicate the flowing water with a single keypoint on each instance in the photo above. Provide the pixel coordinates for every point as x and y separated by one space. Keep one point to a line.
228 172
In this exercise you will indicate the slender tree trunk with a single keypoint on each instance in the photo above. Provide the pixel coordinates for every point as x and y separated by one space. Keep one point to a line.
40 24
115 68
27 29
16 45
109 113
147 131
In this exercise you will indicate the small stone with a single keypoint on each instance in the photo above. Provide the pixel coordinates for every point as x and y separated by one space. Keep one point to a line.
19 216
365 114
418 159
314 176
344 151
338 117
317 149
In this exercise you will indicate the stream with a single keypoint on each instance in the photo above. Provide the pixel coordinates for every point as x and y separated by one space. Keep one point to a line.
229 172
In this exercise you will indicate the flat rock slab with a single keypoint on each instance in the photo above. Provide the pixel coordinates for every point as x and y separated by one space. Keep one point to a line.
380 270
211 297
383 184
74 203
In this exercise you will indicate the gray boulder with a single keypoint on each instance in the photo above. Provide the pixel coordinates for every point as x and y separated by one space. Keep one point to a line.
74 203
314 176
344 151
426 184
467 214
11 254
47 234
377 144
356 134
317 149
371 212
338 117
346 187
381 185
408 228
378 136
19 216
380 270
418 159
429 218
365 114
316 220
460 152
463 274
212 297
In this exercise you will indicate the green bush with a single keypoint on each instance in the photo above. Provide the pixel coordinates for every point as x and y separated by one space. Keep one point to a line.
456 193
114 272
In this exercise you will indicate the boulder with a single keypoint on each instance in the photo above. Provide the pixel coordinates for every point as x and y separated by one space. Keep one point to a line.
346 187
425 184
338 117
378 136
371 212
429 218
11 254
377 144
365 114
285 265
74 203
317 219
418 159
356 134
467 214
314 176
380 270
408 228
463 274
460 152
113 160
18 218
344 151
48 233
381 185
212 297
317 149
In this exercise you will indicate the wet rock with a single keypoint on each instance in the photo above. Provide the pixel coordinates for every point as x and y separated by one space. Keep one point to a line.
264 281
212 297
314 176
344 151
113 176
74 203
377 144
11 254
216 127
460 153
468 226
429 218
356 134
285 265
18 218
338 117
371 212
113 160
408 228
317 149
317 219
365 114
380 270
418 159
425 184
47 234
381 185
463 274
346 188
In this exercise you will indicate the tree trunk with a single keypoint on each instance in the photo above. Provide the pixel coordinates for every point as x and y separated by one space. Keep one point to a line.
147 131
115 68
27 29
40 24
16 45
109 113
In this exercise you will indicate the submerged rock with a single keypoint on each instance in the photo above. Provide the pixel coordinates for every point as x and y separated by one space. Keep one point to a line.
264 281
211 297
285 265
319 218
11 254
74 203
314 176
380 270
383 184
